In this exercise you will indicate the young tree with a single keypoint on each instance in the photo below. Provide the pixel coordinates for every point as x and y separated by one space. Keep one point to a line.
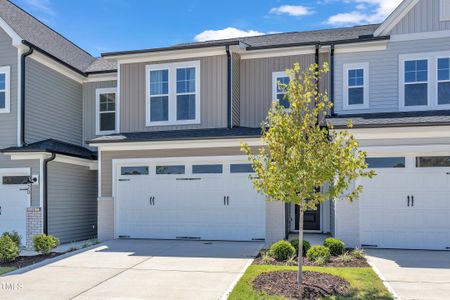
302 154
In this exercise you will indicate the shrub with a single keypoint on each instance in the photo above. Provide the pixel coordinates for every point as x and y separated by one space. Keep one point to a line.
321 261
282 250
266 258
15 236
44 244
316 253
306 246
345 258
336 246
357 253
291 261
9 250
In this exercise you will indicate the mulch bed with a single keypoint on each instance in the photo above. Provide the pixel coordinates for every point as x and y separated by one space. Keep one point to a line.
315 285
23 261
334 262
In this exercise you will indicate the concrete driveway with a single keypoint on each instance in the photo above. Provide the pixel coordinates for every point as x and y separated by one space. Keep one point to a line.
137 269
414 274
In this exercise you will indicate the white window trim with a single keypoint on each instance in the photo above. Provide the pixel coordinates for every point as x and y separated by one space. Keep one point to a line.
99 92
432 58
346 68
172 67
445 10
275 76
7 71
440 81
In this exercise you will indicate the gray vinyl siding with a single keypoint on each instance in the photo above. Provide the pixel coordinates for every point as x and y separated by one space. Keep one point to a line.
213 95
89 109
236 81
256 84
72 202
108 156
383 73
53 105
33 164
8 121
423 17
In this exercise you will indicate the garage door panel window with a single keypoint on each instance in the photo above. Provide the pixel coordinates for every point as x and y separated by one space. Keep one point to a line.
207 169
241 168
433 161
169 170
385 162
134 170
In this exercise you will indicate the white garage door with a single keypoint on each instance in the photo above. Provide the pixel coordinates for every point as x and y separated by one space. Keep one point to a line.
189 198
407 207
14 200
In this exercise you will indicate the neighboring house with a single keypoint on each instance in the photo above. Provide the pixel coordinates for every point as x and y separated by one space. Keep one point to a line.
167 126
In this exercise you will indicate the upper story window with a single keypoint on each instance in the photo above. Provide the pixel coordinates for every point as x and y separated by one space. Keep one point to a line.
280 82
106 118
425 81
173 94
4 90
356 87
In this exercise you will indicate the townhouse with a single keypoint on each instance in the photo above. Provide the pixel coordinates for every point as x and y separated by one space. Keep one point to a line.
156 133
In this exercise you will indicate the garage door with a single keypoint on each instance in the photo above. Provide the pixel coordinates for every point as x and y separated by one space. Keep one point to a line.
188 199
407 205
14 200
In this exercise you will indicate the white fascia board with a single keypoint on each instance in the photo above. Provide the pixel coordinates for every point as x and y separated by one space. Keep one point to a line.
395 17
403 150
168 55
400 132
420 36
52 64
16 39
361 47
91 164
189 144
28 155
102 77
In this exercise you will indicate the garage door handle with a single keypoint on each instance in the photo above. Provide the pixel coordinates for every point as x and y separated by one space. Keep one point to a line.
412 200
152 201
408 201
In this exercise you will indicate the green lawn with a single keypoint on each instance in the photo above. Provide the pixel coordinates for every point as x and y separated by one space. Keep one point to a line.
364 282
4 270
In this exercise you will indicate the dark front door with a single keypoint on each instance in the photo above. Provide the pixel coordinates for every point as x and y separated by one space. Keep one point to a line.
311 219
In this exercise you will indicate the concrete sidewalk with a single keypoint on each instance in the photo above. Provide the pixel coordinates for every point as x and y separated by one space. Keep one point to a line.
414 274
138 269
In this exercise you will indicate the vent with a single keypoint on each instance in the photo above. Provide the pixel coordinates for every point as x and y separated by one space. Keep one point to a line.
187 237
369 246
124 236
258 239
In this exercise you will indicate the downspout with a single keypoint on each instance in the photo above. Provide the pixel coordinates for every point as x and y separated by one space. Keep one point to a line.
229 104
45 191
332 78
22 94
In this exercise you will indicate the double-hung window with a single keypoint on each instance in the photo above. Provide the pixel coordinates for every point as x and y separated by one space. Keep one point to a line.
107 117
415 82
173 94
4 90
356 87
443 81
280 83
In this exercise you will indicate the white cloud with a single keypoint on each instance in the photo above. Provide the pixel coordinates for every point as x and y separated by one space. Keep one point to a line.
43 6
366 11
226 33
291 10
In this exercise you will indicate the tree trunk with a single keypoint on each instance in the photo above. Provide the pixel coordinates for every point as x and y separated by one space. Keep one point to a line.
300 246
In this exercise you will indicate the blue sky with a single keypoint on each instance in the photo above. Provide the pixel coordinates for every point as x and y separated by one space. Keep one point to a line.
110 25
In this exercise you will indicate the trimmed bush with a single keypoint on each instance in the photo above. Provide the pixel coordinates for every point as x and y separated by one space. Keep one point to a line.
357 253
318 253
306 246
336 246
282 250
9 251
44 244
15 236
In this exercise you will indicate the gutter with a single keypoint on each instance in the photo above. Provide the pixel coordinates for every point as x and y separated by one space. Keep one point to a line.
22 94
332 78
229 100
45 191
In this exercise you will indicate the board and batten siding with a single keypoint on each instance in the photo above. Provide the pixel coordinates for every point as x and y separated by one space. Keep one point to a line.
423 17
256 84
236 82
107 158
89 107
72 202
8 121
213 95
383 73
53 105
33 164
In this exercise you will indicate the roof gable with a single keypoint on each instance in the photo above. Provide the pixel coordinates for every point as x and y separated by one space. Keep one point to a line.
395 17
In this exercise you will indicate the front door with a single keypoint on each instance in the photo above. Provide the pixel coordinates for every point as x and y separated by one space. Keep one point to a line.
311 219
